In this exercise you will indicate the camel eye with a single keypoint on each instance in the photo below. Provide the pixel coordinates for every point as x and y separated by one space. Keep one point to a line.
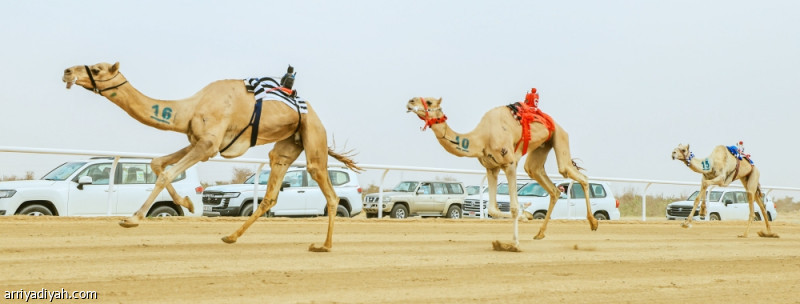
95 71
429 103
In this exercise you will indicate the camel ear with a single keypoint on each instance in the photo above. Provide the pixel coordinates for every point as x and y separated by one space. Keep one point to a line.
114 68
437 102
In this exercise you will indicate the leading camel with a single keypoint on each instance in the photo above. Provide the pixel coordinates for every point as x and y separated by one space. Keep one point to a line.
214 120
722 168
495 142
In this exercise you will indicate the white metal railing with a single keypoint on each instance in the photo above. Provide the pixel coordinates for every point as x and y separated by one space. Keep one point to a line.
385 168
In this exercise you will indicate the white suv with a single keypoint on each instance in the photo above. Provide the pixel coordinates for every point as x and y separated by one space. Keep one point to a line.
603 204
300 195
722 204
80 188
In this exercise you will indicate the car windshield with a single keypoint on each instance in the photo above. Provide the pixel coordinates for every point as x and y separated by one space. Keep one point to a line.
262 180
405 187
532 189
713 197
64 171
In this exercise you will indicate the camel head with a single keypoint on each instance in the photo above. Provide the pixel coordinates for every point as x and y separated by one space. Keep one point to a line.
99 77
681 153
428 109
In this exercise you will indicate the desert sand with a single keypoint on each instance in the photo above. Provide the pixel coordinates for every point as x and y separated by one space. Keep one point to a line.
182 260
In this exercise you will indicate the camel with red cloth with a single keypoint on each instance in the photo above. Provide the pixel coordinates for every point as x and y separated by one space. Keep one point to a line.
213 119
501 138
722 168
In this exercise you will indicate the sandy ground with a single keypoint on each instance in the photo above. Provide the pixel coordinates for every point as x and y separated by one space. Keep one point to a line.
182 260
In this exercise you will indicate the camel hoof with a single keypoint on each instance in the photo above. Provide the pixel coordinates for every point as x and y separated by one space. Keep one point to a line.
500 246
594 225
128 223
687 226
539 236
318 249
229 240
768 234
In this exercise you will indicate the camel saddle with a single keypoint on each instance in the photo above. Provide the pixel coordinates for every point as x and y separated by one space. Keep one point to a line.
528 112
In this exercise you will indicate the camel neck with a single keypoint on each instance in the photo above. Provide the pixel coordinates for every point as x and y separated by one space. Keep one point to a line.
161 114
458 144
699 165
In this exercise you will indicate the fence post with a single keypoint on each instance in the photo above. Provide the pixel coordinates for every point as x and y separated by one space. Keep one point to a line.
380 194
644 202
111 176
256 183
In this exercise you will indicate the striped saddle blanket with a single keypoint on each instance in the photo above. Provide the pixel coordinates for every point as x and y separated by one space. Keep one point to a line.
267 88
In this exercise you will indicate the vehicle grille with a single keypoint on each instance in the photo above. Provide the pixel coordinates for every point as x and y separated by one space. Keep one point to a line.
215 200
475 205
472 205
681 211
371 199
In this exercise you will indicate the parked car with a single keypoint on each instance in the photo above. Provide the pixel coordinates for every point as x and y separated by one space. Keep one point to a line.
474 189
722 204
300 195
472 202
572 204
423 198
81 188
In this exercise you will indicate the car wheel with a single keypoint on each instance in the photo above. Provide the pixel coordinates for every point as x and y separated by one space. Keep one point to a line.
163 211
769 216
399 211
600 216
247 210
342 211
454 212
757 217
539 215
35 210
714 217
372 215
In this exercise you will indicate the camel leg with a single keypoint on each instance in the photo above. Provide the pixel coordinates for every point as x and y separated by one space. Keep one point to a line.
534 166
202 150
283 154
494 211
315 141
688 222
159 163
560 142
754 194
511 175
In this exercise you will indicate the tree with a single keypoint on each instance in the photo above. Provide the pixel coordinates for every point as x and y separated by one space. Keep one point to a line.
240 175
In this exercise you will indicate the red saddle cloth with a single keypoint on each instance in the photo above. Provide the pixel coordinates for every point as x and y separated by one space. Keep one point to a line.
528 112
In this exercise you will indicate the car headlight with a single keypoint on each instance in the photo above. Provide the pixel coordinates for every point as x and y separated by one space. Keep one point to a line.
231 194
387 199
7 193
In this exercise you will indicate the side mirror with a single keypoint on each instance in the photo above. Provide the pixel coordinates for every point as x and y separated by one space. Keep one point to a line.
420 191
84 180
285 185
728 202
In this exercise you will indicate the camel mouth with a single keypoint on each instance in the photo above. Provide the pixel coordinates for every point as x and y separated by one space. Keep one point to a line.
70 82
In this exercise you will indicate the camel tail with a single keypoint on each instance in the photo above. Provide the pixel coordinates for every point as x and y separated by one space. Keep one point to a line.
345 158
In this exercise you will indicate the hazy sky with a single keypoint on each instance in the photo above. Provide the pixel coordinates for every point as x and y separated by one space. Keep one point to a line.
629 80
